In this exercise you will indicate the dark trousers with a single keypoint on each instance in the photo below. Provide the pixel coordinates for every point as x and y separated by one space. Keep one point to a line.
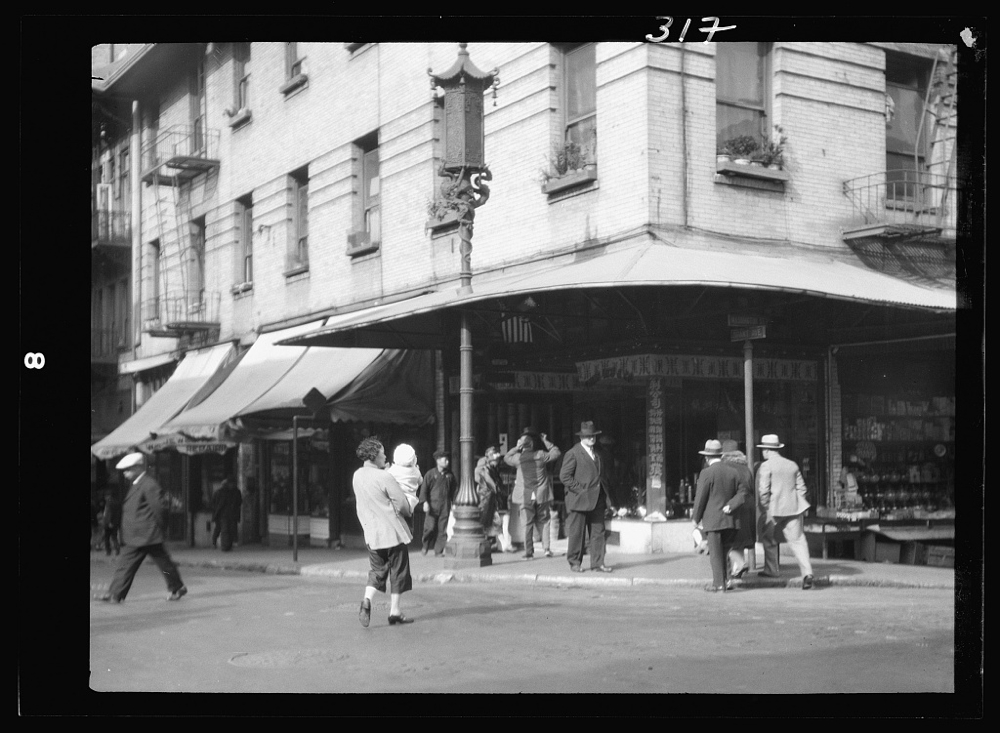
577 524
129 562
435 532
110 540
719 545
392 563
226 529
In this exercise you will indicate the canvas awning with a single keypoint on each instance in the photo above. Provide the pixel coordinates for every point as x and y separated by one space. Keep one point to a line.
192 373
270 381
645 263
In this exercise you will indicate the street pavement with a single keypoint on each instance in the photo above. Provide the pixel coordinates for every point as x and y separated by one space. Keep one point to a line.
685 569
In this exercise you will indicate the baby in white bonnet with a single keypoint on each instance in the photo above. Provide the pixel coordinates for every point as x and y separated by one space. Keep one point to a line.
405 470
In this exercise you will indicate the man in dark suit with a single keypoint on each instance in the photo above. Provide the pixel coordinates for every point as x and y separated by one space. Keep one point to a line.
722 489
586 477
437 492
144 525
226 505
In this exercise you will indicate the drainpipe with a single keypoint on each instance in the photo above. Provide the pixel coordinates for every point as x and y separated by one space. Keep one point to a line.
684 145
136 222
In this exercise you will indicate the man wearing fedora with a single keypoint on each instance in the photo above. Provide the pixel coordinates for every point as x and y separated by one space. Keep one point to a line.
533 486
586 476
721 491
144 527
783 497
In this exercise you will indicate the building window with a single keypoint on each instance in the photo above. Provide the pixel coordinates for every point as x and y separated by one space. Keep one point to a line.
196 264
244 241
906 79
198 103
295 73
367 232
580 99
741 91
241 75
123 173
298 248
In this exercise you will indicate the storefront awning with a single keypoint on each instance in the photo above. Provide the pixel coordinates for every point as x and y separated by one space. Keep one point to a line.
194 370
270 382
648 263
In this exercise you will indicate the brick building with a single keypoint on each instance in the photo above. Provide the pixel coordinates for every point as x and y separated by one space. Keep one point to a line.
292 191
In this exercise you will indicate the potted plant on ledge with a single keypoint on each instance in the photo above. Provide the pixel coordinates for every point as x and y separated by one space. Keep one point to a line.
742 148
772 152
571 164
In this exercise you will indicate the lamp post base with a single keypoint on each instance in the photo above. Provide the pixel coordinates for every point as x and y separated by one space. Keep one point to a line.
468 547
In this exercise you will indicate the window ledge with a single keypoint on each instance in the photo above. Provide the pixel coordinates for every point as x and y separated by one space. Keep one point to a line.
294 83
240 118
242 288
360 243
751 176
570 179
296 269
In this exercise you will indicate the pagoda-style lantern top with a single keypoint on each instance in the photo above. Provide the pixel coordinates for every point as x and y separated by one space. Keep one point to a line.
464 136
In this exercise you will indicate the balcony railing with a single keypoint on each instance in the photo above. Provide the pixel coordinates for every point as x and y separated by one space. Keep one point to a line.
181 312
181 150
111 229
902 203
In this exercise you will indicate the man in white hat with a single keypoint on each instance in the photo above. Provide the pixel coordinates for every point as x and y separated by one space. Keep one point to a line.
144 527
783 496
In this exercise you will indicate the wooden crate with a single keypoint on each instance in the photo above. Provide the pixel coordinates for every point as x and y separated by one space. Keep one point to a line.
940 556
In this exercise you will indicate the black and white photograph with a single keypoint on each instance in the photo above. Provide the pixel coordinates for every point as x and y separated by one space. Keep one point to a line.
637 359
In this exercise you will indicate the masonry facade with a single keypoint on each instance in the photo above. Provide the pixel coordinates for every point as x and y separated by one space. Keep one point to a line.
275 184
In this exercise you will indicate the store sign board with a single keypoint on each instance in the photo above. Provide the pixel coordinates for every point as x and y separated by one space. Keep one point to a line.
748 333
690 366
736 320
516 381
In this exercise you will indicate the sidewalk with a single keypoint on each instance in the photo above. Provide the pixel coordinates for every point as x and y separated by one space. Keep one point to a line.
630 570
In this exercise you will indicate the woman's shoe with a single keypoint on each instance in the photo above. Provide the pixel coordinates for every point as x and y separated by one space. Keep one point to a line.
740 573
365 614
400 619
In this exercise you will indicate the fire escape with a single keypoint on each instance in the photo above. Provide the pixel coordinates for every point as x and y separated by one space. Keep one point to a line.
904 221
170 161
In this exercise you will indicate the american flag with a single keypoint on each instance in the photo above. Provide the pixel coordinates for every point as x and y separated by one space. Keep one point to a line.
516 329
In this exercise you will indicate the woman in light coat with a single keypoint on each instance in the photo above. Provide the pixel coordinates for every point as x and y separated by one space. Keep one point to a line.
382 508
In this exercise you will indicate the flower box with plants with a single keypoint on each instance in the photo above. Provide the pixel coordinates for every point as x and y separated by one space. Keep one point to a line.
747 157
571 165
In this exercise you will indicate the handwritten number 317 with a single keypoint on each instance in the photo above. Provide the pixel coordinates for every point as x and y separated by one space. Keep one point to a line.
710 29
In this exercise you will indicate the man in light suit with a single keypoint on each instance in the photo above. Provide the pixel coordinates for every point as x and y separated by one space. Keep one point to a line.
722 489
144 529
586 476
783 496
381 507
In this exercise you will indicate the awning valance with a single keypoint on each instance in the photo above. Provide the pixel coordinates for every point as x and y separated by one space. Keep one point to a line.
194 370
647 263
269 382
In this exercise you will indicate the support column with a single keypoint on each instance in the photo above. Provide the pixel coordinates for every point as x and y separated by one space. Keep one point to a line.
748 412
656 495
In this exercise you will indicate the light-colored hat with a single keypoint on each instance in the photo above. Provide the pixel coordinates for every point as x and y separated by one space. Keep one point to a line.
712 448
770 441
132 459
587 430
404 455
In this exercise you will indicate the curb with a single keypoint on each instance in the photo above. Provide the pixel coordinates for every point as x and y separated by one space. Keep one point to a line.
548 581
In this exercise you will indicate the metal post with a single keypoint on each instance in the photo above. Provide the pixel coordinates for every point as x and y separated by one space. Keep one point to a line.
748 411
295 488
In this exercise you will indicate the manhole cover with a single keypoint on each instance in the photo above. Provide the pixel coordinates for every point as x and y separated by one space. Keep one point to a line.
287 658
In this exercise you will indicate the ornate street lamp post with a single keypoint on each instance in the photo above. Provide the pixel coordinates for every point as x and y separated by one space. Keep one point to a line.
464 191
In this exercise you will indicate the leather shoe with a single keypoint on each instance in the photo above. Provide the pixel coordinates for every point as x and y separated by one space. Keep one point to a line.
740 573
576 568
365 614
400 619
178 594
602 569
548 553
528 557
715 588
807 582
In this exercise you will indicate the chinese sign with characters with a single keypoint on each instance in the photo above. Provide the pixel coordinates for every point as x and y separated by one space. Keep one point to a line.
644 366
